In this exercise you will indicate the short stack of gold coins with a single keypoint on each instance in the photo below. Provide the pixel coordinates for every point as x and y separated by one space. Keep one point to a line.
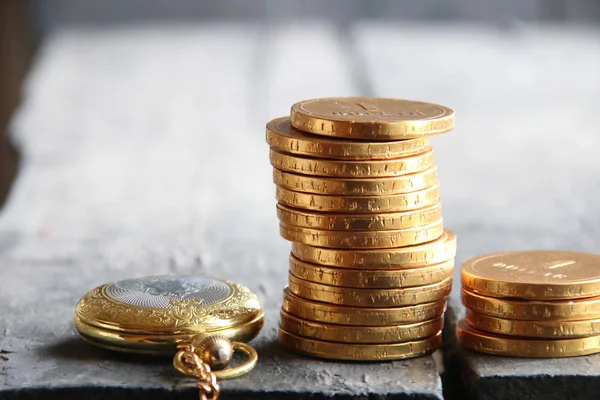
531 304
358 195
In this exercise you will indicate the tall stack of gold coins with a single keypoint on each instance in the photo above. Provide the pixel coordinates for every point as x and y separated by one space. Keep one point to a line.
532 304
358 195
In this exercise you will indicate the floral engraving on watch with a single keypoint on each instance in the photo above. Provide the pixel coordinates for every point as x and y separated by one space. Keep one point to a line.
167 303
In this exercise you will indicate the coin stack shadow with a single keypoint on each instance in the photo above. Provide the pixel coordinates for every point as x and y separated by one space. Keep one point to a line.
538 304
371 264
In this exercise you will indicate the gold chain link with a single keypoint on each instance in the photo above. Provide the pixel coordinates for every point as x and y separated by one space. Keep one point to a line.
206 381
188 361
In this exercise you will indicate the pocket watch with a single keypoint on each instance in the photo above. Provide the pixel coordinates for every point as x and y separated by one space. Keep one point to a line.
200 321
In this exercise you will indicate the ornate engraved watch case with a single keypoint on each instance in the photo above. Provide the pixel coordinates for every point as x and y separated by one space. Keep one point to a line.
155 314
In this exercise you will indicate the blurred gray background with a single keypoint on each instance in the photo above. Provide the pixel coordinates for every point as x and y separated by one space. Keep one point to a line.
23 25
50 13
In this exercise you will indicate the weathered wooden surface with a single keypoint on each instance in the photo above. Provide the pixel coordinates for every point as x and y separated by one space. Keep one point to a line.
517 173
143 152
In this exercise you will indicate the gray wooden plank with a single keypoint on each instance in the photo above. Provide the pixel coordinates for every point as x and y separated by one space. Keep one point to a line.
517 173
143 153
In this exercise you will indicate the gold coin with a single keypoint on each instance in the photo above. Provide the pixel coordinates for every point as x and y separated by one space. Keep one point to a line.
368 278
536 275
362 239
371 118
369 297
359 204
357 186
353 169
344 315
533 329
360 222
359 352
283 137
435 252
532 310
473 339
359 334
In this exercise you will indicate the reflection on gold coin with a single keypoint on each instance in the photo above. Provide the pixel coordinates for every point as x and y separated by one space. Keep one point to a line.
362 240
359 334
536 275
360 222
521 347
359 352
359 204
356 186
369 297
283 137
435 252
532 310
344 315
352 169
364 278
371 118
533 329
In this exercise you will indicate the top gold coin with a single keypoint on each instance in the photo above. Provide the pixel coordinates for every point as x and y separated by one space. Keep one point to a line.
371 118
534 275
282 137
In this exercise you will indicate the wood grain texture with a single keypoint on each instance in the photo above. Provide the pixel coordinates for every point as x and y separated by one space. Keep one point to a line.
144 153
517 172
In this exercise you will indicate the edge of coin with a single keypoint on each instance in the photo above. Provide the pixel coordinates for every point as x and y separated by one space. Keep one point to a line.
381 186
533 329
348 315
434 252
378 298
359 204
362 239
313 219
359 334
358 352
482 342
371 279
326 167
281 135
532 310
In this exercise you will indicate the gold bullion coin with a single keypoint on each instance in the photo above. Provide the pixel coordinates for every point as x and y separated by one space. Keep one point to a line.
359 204
360 222
359 334
536 275
533 329
533 310
359 352
362 239
352 169
371 118
369 297
356 186
285 138
473 339
345 315
369 278
435 252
